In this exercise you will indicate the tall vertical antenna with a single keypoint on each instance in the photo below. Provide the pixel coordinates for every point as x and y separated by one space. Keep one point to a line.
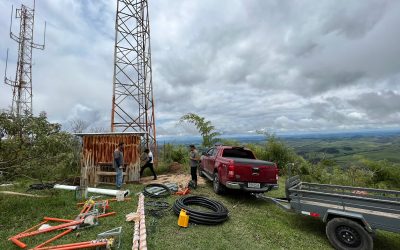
132 101
22 85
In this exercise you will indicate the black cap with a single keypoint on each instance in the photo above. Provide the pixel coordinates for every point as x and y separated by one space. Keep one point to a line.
192 146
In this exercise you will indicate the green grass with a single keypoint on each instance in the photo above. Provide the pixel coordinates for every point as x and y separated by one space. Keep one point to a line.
252 224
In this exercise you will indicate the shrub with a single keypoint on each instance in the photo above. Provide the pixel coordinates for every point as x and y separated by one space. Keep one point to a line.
33 147
172 153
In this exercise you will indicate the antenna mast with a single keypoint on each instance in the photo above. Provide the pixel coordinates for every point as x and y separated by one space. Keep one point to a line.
22 85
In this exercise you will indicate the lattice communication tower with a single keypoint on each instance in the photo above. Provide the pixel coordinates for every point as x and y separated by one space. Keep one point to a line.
22 85
132 101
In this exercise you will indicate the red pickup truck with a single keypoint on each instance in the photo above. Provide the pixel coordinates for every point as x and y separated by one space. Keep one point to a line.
237 168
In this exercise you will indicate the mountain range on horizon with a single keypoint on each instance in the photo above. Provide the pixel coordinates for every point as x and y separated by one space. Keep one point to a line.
196 139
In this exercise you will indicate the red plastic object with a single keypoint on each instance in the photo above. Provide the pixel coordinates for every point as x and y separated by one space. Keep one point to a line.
56 219
54 238
79 245
183 192
16 241
107 214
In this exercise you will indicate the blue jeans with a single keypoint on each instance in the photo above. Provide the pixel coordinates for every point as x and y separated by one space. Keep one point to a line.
119 177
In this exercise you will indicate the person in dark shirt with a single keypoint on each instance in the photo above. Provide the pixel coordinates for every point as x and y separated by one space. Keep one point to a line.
118 164
148 164
194 159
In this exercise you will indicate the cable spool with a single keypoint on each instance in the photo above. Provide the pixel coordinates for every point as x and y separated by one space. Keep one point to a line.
217 215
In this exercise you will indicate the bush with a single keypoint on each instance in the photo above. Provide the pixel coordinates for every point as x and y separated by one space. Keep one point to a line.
275 151
384 173
33 147
172 153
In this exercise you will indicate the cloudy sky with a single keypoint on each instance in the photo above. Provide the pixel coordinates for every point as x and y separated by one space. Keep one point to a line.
281 66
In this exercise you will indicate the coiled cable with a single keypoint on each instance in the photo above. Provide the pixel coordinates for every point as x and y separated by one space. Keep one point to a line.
149 191
217 215
157 208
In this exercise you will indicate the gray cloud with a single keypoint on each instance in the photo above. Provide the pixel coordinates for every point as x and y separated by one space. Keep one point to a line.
244 65
378 105
351 20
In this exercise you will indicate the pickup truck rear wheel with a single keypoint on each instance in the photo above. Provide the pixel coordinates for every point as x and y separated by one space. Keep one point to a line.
200 171
217 186
346 234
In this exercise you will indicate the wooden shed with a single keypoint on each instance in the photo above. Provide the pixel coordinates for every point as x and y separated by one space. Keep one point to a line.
97 157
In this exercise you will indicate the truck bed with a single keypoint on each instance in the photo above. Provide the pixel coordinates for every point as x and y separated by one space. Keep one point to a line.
379 208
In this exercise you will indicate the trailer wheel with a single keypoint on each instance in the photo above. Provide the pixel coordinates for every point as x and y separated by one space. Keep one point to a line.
217 186
346 234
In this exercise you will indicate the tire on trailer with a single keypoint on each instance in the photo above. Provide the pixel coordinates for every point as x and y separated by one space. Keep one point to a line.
217 186
345 234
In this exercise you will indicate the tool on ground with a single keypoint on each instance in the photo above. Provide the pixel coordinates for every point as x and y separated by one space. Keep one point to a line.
184 191
109 240
87 217
31 232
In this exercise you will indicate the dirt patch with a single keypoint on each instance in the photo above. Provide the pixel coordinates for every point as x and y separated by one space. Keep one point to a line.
181 179
175 167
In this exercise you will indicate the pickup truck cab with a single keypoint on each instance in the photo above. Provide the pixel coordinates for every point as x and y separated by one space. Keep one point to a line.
237 168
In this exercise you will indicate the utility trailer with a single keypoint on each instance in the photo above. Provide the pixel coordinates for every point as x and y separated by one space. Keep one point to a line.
351 214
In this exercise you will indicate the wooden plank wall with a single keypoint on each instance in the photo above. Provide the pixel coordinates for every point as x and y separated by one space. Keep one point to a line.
100 148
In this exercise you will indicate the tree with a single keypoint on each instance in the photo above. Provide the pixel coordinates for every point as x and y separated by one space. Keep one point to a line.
205 128
78 126
277 151
33 147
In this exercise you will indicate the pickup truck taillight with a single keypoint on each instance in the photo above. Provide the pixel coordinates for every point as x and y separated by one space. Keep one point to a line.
231 171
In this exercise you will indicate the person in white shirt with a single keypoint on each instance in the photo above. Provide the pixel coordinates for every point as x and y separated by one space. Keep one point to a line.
148 164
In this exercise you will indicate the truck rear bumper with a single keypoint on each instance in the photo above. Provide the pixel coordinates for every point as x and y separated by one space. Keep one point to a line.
243 186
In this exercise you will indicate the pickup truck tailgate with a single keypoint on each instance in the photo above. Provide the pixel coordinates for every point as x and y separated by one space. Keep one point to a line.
249 170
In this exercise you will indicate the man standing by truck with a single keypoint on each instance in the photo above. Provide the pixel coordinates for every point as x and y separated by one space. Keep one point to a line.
194 162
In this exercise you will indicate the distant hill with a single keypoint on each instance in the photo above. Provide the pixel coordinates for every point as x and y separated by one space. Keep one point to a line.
340 147
257 138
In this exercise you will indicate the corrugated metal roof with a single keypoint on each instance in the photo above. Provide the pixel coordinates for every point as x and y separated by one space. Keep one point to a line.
111 133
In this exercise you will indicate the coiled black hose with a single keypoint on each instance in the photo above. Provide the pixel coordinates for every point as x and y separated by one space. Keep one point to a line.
156 194
218 214
40 186
157 208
